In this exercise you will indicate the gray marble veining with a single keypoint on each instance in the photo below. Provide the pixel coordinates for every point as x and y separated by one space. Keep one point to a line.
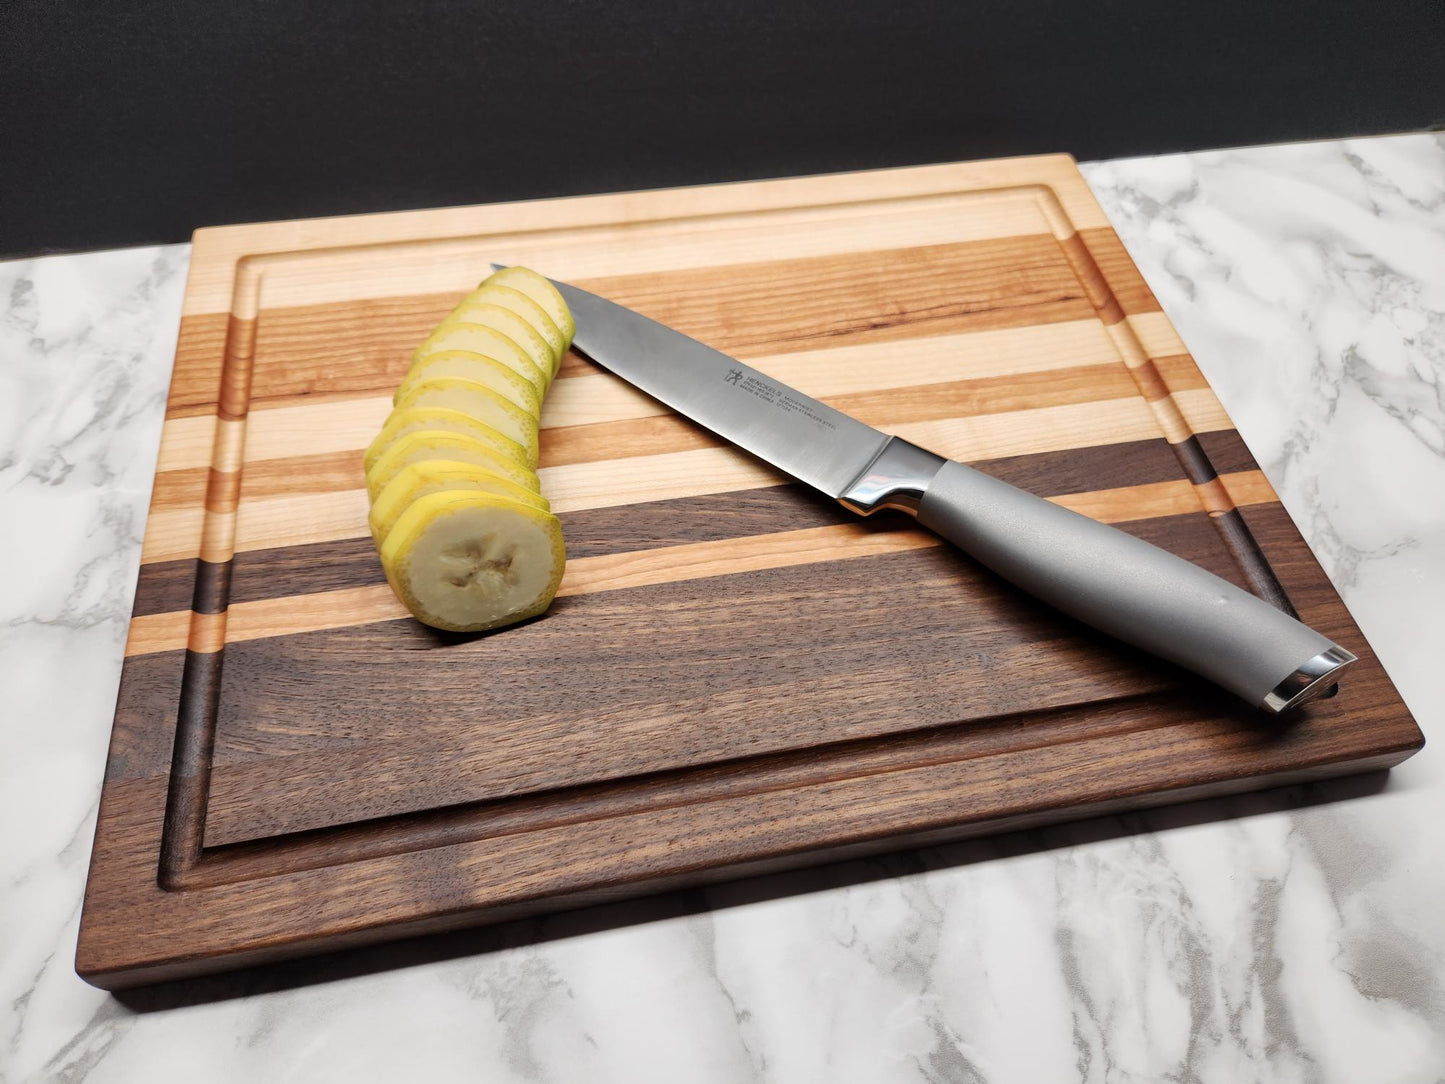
1285 937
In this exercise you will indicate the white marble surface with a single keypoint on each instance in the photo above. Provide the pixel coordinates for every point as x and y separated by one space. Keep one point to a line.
1289 937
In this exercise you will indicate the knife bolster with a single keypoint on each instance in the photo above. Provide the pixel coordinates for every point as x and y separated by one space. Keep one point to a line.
897 478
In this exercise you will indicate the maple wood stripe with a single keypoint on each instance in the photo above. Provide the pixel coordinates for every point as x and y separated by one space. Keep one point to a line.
1213 497
314 423
152 633
186 443
447 249
748 310
1249 488
207 632
316 447
1149 381
303 435
845 541
324 566
302 518
218 535
1201 411
352 425
1235 489
173 534
325 472
1156 336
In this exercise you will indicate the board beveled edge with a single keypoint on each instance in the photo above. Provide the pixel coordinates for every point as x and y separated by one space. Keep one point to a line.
101 962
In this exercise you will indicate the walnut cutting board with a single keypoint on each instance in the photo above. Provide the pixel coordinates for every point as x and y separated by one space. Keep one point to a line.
737 676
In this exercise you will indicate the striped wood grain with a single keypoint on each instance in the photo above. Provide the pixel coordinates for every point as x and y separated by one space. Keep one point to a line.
690 708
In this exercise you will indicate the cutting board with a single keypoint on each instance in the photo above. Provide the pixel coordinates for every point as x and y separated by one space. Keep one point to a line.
737 675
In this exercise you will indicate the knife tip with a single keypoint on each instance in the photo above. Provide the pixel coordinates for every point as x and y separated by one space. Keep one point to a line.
498 266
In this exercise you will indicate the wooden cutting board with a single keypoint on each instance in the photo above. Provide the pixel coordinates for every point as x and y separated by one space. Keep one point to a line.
737 676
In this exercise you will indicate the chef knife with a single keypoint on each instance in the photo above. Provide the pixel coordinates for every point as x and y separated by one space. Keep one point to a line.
1104 577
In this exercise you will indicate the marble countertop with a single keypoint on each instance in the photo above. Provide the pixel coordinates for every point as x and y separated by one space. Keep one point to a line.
1289 936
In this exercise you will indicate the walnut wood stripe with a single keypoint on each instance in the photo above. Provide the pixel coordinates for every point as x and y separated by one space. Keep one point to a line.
229 861
1251 558
1198 467
1226 449
655 739
165 586
950 605
367 605
212 585
325 566
337 609
188 789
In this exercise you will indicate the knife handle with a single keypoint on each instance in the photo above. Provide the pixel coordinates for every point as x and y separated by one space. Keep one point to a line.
1119 584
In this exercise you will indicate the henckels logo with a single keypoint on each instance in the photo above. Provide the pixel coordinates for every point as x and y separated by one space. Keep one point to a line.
734 376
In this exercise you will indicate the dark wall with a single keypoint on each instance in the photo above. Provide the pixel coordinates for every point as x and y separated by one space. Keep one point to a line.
136 122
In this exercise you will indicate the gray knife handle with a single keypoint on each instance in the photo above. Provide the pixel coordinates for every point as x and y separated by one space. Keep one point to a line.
1111 580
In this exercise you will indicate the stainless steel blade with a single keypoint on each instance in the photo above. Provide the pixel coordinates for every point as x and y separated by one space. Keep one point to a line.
794 432
1116 582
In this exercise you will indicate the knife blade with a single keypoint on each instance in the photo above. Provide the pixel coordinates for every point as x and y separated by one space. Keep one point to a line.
1119 584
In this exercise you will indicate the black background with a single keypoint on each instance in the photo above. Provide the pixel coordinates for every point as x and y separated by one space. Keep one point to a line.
126 123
